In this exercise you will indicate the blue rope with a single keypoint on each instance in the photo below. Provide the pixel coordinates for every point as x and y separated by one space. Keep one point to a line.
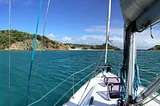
33 52
136 79
123 93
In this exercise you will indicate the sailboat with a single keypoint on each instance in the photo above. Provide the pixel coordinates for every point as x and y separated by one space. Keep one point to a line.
107 89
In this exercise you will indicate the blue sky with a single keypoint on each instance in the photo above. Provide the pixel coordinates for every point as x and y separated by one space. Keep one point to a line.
70 21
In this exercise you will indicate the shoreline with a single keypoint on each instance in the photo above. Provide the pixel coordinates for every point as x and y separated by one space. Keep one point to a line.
67 50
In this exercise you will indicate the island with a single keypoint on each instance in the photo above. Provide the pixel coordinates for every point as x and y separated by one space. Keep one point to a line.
24 41
156 47
91 47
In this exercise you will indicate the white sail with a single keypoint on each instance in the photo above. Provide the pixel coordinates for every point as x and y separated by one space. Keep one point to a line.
132 9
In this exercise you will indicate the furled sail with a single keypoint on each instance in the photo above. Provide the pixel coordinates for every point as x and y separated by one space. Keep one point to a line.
134 9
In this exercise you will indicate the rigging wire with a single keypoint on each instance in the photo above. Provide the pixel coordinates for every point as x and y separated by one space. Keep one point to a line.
33 52
60 84
91 78
150 100
72 87
41 44
9 52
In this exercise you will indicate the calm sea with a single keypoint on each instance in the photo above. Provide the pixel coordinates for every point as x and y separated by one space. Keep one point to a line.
54 67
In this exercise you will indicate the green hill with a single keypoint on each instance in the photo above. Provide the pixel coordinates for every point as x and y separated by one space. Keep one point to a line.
157 47
81 46
84 46
24 41
103 46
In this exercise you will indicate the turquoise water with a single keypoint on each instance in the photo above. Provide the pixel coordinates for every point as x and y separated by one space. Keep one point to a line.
54 67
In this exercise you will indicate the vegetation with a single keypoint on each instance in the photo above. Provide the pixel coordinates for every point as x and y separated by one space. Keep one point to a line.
157 47
85 47
103 46
15 37
24 41
78 45
18 38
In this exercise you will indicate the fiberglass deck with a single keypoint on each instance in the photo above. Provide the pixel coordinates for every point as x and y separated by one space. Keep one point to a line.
98 90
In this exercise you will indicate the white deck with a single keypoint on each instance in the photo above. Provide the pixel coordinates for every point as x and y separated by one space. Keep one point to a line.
98 90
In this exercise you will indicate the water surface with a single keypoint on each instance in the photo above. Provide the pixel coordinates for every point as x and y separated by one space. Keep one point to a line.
54 67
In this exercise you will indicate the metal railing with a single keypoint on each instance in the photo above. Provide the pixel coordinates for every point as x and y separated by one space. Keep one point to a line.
148 72
155 73
155 94
144 80
72 76
73 81
72 88
148 81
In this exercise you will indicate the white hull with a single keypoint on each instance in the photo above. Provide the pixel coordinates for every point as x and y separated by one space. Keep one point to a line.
99 91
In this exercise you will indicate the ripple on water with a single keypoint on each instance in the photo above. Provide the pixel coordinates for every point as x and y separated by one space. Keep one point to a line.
56 66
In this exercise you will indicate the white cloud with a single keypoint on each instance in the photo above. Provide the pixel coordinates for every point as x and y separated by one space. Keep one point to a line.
115 34
102 29
95 29
66 39
94 37
84 39
117 41
91 39
63 39
50 35
143 40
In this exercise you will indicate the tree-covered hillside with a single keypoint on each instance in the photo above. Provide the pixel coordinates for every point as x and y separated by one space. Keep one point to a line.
157 47
84 46
24 41
103 46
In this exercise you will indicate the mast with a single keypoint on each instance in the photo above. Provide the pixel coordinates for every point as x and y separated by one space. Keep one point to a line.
137 17
107 29
130 65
